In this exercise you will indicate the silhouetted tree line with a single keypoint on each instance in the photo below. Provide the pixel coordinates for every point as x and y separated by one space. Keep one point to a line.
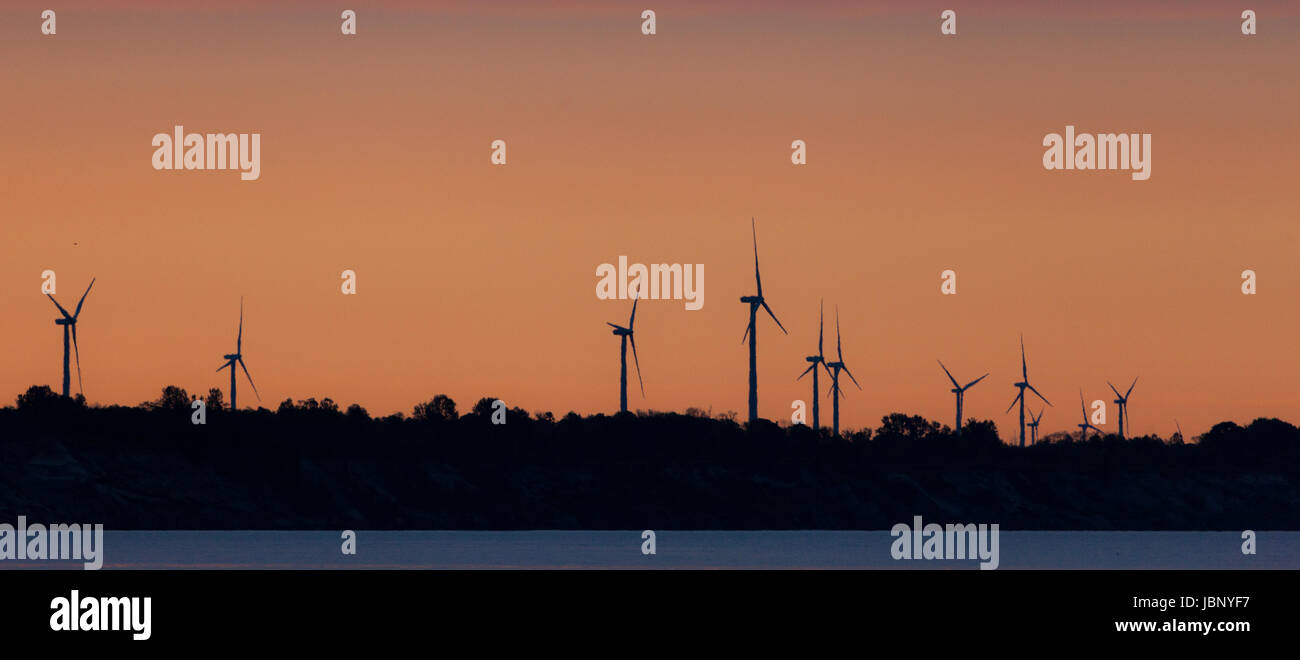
312 465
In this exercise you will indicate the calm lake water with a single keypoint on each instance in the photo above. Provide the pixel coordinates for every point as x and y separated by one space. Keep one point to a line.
680 550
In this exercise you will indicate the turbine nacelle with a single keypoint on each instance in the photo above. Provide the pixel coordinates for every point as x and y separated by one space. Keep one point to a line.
753 300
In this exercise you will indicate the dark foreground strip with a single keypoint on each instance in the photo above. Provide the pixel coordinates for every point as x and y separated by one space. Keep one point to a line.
667 610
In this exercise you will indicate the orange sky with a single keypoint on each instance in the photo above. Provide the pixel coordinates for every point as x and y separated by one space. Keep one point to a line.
924 154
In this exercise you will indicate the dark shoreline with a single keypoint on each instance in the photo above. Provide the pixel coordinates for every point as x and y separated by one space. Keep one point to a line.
313 468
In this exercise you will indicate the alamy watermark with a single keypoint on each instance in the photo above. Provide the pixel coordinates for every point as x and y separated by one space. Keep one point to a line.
213 151
935 541
1104 151
656 282
54 542
104 613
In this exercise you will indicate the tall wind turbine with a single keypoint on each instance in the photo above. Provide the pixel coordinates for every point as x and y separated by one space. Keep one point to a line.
1033 426
1122 400
237 357
837 366
1083 428
751 331
626 334
959 391
69 321
817 359
1023 385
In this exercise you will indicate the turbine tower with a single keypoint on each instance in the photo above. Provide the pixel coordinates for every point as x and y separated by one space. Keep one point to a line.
959 391
836 367
1122 400
626 334
817 359
1033 426
751 331
1022 386
69 322
1083 428
238 357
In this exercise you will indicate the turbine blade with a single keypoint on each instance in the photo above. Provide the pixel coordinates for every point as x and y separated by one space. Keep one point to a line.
77 352
83 298
227 364
1112 388
1130 388
945 370
1024 364
748 326
249 377
65 313
805 371
968 385
839 353
619 327
637 360
758 280
836 390
850 373
821 325
632 319
828 370
773 315
239 340
1013 401
1039 394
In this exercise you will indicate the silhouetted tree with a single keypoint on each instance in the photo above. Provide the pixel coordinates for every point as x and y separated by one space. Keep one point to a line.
906 427
484 407
37 397
980 431
215 401
355 411
173 398
439 408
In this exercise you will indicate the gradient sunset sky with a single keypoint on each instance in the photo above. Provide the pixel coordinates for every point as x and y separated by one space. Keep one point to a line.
924 154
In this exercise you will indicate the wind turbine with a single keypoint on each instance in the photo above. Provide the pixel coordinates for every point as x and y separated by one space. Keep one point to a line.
960 391
1023 385
69 321
1033 426
817 359
1182 438
237 356
1122 400
626 334
751 331
1083 428
837 366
